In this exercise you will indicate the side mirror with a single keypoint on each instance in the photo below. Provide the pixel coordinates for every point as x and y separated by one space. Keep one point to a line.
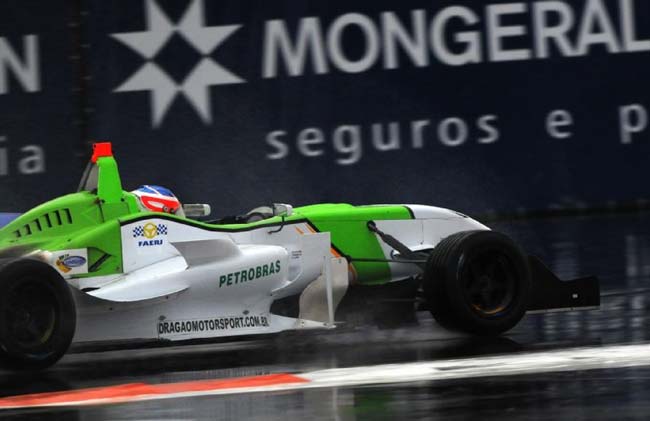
196 210
282 209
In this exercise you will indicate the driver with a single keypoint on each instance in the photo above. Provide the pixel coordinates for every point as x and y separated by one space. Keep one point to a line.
158 199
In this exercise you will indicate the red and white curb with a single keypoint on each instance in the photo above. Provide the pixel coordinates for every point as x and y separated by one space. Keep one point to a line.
576 359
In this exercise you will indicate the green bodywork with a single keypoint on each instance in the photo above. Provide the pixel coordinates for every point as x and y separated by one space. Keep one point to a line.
350 235
92 220
78 220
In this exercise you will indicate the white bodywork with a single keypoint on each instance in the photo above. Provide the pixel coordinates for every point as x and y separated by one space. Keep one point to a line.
184 282
430 226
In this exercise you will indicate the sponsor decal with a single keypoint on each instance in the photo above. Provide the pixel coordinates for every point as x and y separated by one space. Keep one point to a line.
66 263
189 327
150 232
250 274
71 262
296 254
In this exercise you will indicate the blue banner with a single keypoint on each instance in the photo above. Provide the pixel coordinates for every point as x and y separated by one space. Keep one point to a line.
478 106
40 127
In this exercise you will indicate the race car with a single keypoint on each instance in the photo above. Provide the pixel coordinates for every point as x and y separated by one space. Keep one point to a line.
105 264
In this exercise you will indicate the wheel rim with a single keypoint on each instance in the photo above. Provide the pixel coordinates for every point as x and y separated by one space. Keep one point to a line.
490 282
30 314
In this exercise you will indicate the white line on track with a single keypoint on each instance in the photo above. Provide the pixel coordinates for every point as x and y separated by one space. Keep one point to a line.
576 359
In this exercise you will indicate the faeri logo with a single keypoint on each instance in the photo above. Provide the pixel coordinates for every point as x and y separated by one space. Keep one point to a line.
150 231
151 77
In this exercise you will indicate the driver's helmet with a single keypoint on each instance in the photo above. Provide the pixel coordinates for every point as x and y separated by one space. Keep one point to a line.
157 199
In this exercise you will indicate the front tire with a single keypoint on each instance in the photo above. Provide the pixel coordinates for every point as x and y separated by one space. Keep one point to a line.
37 315
477 282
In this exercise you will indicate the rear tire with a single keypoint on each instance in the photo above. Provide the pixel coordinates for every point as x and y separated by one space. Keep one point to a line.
477 282
37 315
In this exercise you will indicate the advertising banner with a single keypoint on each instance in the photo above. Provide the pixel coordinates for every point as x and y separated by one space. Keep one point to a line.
39 123
478 106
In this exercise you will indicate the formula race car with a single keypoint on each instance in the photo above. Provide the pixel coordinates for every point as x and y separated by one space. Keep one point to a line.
103 264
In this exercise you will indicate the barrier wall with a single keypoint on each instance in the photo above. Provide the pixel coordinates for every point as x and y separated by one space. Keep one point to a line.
40 128
478 106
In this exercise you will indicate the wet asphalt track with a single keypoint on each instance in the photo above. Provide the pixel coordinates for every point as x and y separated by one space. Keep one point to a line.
617 248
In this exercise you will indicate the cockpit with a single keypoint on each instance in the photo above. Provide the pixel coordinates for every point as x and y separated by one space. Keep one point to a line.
154 198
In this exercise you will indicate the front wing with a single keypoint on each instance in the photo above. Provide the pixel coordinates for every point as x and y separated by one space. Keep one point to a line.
551 293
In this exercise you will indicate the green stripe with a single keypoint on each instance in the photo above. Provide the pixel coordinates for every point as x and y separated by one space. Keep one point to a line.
350 235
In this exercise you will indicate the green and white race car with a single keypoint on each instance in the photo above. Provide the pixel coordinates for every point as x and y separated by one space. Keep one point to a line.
99 265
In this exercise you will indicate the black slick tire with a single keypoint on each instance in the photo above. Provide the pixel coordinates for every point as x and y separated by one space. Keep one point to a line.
477 282
37 315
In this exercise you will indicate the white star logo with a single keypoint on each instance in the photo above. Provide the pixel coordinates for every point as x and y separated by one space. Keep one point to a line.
150 77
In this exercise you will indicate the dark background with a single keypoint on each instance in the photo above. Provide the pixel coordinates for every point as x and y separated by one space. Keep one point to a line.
225 162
